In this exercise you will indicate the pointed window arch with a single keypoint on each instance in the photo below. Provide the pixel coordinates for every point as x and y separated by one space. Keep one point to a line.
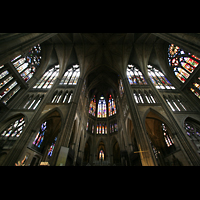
168 139
14 129
52 147
158 78
101 155
12 132
71 76
48 79
135 76
183 62
196 88
111 106
27 64
40 135
102 108
92 108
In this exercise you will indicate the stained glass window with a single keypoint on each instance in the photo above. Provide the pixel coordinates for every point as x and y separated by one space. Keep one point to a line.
102 108
121 88
101 155
111 106
135 76
196 88
158 78
195 92
40 135
48 79
97 128
52 147
71 76
183 63
14 129
92 109
27 64
87 125
192 130
9 92
92 128
113 127
168 139
105 129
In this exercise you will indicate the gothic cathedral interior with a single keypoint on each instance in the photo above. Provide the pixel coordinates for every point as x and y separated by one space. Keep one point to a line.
100 99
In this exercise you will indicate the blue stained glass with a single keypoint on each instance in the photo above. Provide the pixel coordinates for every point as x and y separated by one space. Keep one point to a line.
40 135
52 147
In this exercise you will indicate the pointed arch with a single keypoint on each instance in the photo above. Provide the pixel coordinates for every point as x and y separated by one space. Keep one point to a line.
159 117
11 129
48 78
71 76
47 130
135 76
158 78
183 63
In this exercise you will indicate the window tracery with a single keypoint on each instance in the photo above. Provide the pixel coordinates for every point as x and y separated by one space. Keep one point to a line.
183 63
48 79
135 76
196 88
8 85
40 135
168 139
27 64
175 103
15 128
158 78
111 106
102 111
71 76
92 108
192 129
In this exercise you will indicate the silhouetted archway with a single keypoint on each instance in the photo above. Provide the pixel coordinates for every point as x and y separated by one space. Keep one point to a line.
116 153
160 136
86 157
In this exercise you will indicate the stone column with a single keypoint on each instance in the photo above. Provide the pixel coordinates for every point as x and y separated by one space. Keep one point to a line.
186 146
22 142
64 139
146 154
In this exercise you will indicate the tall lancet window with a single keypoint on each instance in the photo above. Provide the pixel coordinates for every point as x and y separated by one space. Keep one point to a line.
102 108
135 76
71 76
183 62
121 88
196 88
48 79
158 78
92 109
27 64
111 106
168 139
40 135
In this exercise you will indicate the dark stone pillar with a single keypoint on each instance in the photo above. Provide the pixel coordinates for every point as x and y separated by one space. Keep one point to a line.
146 155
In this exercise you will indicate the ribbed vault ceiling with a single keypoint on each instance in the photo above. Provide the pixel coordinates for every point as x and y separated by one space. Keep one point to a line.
104 56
